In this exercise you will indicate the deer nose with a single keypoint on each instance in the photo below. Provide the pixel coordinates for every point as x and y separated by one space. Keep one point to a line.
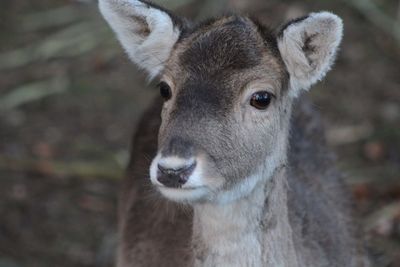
173 175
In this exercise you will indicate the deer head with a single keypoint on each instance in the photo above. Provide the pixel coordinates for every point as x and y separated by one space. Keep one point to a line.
228 85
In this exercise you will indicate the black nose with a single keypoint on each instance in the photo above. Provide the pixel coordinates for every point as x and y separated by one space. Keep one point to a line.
174 178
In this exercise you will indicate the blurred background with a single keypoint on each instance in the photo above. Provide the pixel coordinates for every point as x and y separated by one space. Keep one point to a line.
70 100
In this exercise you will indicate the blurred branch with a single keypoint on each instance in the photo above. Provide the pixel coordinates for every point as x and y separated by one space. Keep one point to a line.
173 4
381 221
208 8
212 8
71 41
51 18
371 12
99 169
33 91
78 38
343 135
398 13
8 263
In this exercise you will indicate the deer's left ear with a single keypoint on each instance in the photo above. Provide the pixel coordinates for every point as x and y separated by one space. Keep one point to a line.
146 31
308 47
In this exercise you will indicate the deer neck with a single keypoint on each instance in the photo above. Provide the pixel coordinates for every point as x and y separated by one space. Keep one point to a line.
250 231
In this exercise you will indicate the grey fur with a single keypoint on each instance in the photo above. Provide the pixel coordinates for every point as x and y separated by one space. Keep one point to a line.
270 194
157 232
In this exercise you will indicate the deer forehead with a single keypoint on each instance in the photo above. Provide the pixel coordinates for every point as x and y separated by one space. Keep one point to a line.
225 54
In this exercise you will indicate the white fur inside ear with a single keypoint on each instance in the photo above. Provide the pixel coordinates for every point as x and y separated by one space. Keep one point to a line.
146 33
308 48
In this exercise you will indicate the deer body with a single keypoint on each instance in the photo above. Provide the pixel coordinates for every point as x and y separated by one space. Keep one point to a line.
155 232
234 180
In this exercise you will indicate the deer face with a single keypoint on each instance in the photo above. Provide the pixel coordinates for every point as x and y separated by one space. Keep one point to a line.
224 89
228 86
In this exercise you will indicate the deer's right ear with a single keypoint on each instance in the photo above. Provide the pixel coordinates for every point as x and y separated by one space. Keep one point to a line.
146 31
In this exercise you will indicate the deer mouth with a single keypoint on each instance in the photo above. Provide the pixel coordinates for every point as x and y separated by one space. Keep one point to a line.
188 195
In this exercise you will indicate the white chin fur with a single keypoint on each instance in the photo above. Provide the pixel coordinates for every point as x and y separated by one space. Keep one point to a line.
183 195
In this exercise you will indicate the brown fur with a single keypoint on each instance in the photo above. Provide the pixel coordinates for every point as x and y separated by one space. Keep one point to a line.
156 232
272 195
229 54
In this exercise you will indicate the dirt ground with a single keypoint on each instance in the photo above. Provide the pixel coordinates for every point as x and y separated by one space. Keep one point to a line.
70 100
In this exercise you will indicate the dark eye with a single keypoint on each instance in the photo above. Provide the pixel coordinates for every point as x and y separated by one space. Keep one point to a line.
165 90
261 100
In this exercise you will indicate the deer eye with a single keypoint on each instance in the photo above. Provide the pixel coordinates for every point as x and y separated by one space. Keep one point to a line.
165 90
261 99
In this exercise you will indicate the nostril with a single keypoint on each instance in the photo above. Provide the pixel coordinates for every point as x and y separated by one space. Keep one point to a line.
175 177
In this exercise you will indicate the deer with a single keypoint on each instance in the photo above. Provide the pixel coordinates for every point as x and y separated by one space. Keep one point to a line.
240 172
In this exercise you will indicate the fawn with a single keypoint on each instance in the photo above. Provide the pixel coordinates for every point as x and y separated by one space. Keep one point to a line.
239 176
